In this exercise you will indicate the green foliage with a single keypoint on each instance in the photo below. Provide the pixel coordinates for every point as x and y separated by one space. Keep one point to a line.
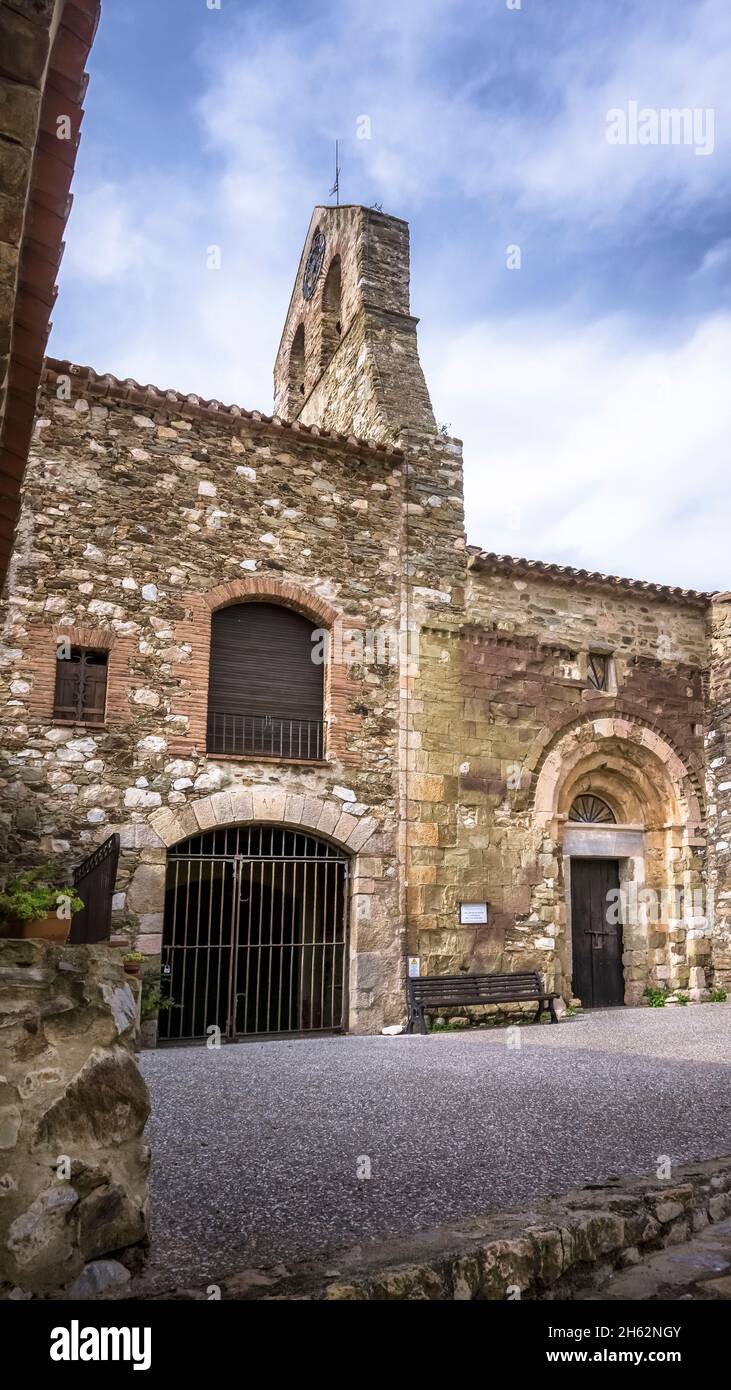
656 995
34 893
127 926
133 956
682 998
153 998
718 996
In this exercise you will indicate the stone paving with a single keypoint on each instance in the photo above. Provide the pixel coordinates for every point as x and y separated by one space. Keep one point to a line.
697 1269
257 1148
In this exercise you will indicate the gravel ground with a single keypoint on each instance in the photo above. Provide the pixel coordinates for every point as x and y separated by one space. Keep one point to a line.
256 1146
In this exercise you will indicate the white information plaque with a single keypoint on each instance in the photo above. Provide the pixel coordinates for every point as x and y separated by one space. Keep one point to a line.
471 914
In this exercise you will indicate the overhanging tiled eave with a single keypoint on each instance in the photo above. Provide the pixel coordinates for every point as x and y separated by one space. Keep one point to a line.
38 231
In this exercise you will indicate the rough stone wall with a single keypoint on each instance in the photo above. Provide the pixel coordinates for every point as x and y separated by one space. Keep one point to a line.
434 566
138 522
718 754
575 615
73 1106
499 695
449 767
345 397
373 386
141 520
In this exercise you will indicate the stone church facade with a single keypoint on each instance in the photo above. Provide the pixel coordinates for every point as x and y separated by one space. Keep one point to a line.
488 730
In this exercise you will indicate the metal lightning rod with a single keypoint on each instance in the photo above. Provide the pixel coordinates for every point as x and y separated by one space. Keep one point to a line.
336 186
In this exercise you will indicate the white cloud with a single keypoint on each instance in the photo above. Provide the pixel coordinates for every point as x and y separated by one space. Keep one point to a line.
608 449
106 241
715 261
276 101
590 447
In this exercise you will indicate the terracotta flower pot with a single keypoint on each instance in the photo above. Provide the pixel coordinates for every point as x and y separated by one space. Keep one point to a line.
132 967
50 928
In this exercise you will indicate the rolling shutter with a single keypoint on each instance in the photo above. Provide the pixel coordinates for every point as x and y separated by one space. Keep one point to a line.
261 663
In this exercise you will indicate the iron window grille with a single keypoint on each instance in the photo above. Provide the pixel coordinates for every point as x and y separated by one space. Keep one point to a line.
266 736
81 686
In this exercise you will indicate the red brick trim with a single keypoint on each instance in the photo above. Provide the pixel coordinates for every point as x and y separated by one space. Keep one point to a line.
277 591
194 631
99 638
43 642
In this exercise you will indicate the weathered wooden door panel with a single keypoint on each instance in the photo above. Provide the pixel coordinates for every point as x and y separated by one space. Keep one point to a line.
598 978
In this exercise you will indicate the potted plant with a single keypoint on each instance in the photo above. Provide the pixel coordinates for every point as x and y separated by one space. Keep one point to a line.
132 962
152 1001
38 904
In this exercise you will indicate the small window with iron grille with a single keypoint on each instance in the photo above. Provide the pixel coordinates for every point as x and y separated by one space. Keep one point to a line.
599 671
81 685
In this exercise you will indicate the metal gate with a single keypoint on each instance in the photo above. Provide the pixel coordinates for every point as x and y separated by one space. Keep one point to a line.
255 939
94 880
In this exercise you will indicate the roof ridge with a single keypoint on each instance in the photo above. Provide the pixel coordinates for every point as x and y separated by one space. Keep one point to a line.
132 392
556 571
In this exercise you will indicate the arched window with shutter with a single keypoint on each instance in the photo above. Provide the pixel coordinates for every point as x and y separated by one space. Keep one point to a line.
265 691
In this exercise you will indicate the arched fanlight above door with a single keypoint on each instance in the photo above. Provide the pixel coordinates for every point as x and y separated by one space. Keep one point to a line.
592 810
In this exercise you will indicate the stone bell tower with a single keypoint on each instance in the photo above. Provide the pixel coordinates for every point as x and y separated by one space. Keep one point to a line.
348 358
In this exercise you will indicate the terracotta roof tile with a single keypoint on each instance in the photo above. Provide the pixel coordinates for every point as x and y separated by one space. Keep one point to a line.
131 392
511 564
37 224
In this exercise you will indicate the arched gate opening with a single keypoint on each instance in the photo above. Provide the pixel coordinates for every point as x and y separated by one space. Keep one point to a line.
255 934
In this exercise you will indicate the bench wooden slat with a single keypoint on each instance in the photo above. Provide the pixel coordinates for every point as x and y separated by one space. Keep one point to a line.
496 988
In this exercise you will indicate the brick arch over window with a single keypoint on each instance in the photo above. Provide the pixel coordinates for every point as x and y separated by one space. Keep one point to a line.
44 642
275 591
194 673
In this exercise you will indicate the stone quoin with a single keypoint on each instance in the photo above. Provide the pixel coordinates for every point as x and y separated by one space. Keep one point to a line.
537 716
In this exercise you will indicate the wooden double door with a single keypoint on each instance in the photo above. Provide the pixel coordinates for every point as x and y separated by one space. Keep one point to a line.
596 929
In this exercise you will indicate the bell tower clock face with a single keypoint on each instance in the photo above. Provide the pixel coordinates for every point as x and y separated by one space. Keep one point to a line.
314 265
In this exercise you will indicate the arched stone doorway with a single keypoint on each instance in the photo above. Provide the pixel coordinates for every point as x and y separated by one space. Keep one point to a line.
375 990
625 814
255 938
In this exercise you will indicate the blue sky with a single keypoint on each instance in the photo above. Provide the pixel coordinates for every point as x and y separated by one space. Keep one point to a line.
590 386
